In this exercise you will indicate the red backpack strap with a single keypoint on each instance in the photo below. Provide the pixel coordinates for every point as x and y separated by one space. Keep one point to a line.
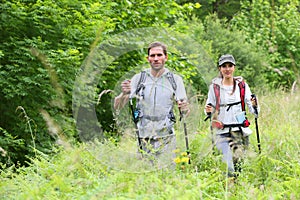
242 94
217 95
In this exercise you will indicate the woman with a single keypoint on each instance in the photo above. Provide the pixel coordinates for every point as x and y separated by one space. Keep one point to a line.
227 98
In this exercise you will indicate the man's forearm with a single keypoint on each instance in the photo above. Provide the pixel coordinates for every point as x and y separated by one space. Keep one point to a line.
120 101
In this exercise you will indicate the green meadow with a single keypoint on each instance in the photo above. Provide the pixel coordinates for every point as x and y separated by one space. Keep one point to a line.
108 170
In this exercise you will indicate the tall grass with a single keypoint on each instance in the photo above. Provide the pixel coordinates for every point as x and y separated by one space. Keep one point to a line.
110 171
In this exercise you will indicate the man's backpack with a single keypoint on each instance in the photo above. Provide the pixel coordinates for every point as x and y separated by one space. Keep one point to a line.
241 85
142 80
141 85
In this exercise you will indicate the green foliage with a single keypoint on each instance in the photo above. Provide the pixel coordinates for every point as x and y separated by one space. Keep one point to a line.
84 172
217 38
45 46
28 77
9 147
222 8
274 25
250 60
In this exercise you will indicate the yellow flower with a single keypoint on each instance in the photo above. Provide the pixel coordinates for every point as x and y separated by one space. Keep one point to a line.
186 160
184 154
176 151
177 160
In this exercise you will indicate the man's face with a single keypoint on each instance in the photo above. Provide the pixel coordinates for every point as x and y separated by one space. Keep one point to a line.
157 58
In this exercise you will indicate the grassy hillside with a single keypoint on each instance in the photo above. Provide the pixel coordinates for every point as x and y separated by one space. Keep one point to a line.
107 171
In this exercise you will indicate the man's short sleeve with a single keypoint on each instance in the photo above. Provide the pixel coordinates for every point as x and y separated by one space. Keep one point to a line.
180 92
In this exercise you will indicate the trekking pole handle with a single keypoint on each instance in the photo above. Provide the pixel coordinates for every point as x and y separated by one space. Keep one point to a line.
209 114
180 111
254 97
255 106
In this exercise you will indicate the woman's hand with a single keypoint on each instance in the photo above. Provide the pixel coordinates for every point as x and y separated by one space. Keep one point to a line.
209 109
253 100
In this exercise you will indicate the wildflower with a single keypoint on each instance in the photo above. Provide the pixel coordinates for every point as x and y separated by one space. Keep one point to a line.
184 154
177 160
185 160
176 150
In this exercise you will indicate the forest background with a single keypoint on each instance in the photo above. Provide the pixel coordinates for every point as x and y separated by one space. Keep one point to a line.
61 62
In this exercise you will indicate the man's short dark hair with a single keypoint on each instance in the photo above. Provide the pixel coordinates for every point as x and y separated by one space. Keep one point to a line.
158 44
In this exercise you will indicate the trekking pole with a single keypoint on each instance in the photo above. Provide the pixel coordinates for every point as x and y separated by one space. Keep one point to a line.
182 117
256 123
209 116
135 120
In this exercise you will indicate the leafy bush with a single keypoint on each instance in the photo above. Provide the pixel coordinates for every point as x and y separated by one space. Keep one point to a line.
274 26
43 45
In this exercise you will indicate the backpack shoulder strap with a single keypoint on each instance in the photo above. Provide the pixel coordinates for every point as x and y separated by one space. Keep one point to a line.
217 95
242 94
141 82
170 77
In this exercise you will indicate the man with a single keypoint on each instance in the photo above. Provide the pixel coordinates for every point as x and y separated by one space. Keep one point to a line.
155 98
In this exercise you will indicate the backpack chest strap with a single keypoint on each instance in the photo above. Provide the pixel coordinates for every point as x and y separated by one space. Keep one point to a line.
229 105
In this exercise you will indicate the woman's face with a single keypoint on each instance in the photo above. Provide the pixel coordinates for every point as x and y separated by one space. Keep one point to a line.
227 70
